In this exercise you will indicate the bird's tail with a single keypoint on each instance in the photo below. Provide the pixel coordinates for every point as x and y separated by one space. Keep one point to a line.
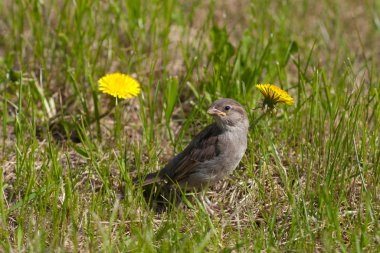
149 179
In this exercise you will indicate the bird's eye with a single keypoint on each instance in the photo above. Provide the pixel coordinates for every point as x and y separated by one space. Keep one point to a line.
227 107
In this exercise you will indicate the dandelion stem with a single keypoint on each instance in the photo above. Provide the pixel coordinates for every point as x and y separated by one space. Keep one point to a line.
258 119
117 120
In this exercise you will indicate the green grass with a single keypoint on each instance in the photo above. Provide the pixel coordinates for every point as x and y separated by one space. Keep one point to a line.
309 180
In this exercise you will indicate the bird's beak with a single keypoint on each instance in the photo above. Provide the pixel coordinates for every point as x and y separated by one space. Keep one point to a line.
213 111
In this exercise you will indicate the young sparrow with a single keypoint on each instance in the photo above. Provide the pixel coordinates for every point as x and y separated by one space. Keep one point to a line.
213 154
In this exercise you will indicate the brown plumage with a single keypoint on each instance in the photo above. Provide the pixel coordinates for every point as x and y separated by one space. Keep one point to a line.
214 153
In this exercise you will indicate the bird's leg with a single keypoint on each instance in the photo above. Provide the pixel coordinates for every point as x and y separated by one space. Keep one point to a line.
211 204
207 204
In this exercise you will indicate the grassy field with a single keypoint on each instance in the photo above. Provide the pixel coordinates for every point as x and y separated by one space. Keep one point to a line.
310 179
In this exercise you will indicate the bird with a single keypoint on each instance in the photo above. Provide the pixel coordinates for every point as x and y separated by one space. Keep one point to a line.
212 154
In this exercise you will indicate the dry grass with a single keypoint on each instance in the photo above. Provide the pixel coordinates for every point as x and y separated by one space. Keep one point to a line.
309 180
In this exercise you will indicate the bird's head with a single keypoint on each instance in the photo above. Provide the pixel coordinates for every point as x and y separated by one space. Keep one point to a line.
228 113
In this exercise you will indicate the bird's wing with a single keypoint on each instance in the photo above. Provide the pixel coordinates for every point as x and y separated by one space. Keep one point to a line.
203 147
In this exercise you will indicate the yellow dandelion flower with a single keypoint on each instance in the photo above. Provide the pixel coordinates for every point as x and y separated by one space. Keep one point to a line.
273 95
119 85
